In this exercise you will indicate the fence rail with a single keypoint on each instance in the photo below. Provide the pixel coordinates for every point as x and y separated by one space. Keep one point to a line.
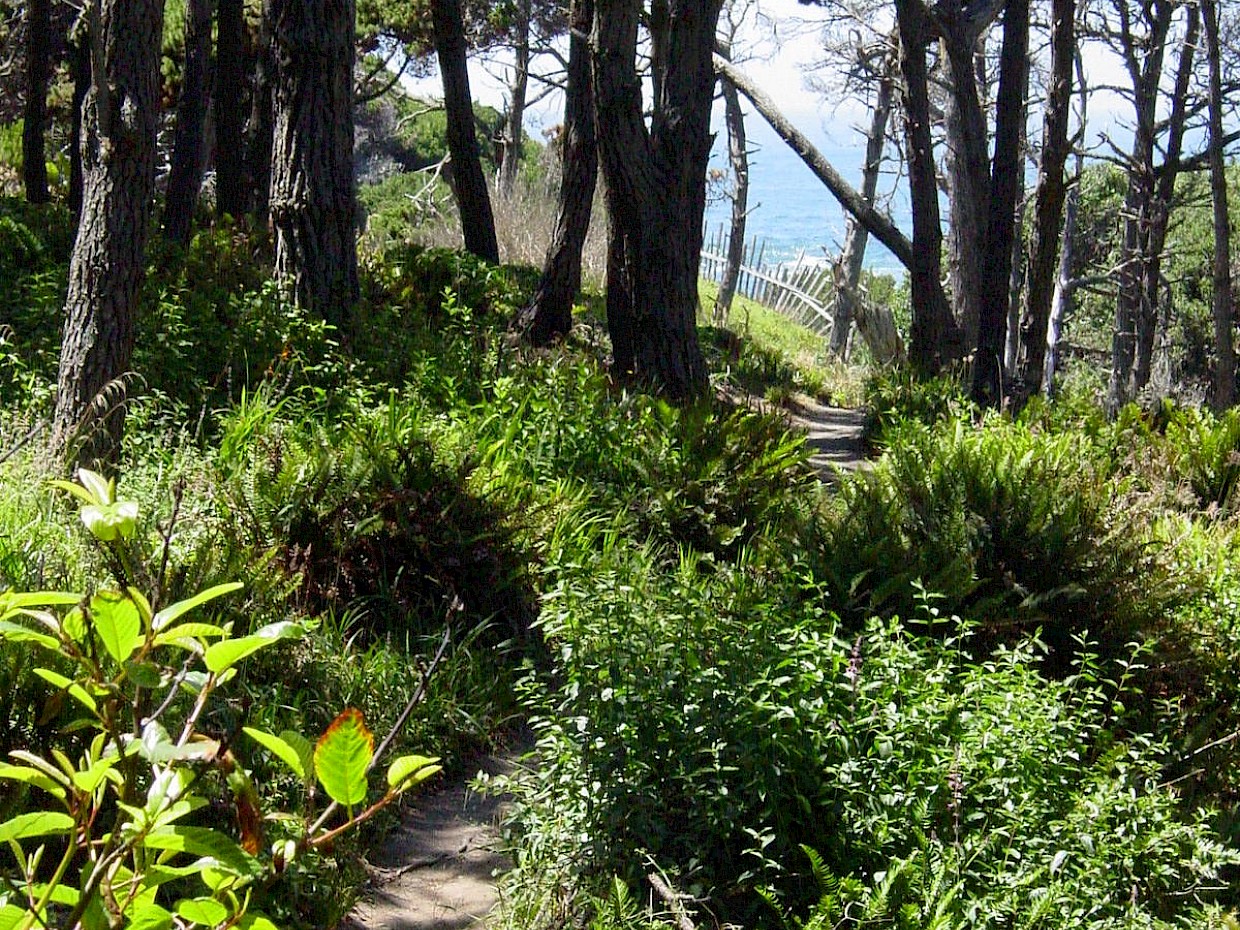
801 290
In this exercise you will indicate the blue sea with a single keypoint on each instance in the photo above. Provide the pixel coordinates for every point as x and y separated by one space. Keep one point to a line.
791 213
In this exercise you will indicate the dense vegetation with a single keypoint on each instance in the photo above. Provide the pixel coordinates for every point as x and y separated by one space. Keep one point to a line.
989 682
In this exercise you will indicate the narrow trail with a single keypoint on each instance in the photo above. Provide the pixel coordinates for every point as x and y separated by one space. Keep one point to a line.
438 870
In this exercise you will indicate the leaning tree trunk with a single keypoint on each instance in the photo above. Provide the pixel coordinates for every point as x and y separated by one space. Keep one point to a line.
38 74
185 176
472 198
121 118
1004 184
230 199
1048 202
549 315
655 184
738 159
313 205
934 338
1225 363
856 237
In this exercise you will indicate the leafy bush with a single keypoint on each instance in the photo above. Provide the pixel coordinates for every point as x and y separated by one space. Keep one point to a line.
713 727
120 826
896 395
1010 526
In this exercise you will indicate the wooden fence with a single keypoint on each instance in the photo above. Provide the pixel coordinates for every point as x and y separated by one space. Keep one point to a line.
801 290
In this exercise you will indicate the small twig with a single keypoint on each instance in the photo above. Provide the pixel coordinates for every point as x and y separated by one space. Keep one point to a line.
21 443
672 899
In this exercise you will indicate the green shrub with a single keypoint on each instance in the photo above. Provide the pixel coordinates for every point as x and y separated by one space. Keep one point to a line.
712 726
895 395
1009 526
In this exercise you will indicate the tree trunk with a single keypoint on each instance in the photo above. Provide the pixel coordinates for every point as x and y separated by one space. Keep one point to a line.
1160 209
470 187
313 207
549 315
1144 72
969 177
38 74
856 236
121 118
510 160
230 199
738 159
1048 202
655 184
934 338
1225 362
185 177
258 128
1004 184
79 69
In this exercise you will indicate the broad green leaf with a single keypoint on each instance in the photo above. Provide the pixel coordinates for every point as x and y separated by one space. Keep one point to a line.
342 756
149 916
279 748
12 916
205 911
31 776
75 489
173 611
213 849
187 634
102 490
143 674
16 633
408 771
57 680
23 599
256 922
37 762
89 780
304 749
117 622
108 522
143 605
37 823
223 655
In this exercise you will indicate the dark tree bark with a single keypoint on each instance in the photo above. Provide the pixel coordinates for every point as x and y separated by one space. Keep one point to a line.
185 176
230 199
934 338
1005 184
470 187
79 69
1143 59
121 118
738 160
856 236
1152 283
1225 361
258 128
655 184
550 314
968 171
313 205
38 74
510 160
1048 202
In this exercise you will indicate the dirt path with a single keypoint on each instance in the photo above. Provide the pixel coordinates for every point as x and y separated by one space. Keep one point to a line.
437 872
438 869
833 433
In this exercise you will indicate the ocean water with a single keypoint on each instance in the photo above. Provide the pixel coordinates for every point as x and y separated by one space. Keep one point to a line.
791 214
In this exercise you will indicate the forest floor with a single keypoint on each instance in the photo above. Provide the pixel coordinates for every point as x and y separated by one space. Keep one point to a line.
439 868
